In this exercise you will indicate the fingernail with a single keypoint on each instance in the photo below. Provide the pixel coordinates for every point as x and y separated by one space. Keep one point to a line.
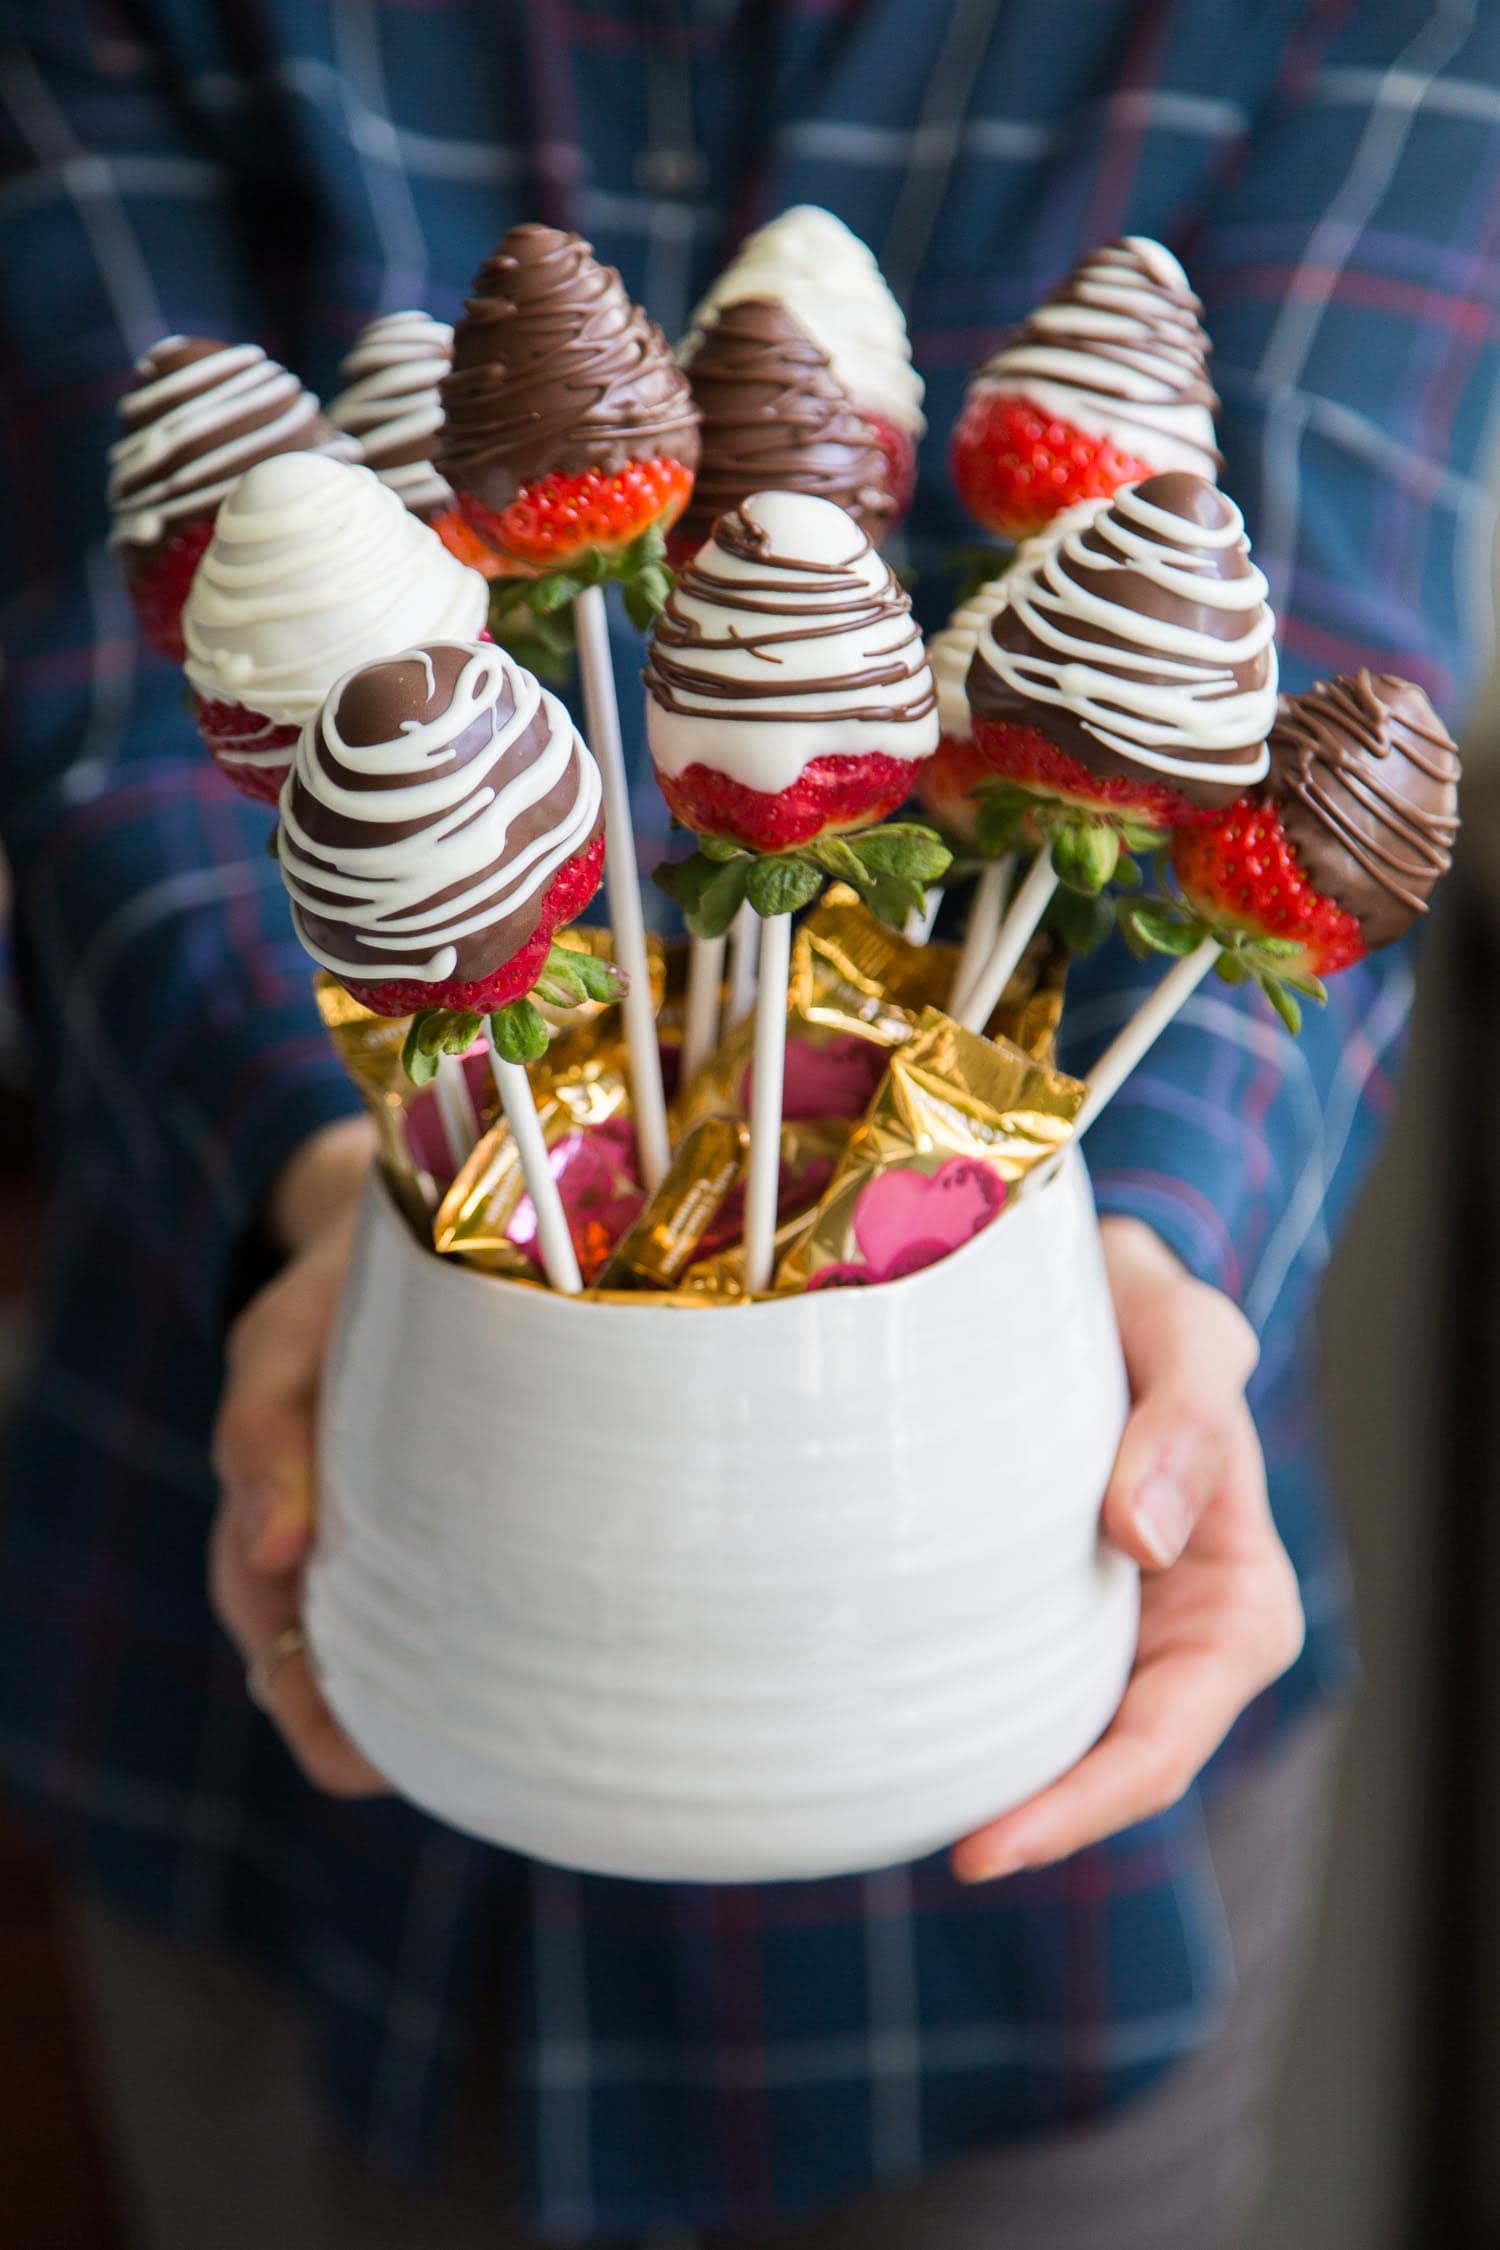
1163 1519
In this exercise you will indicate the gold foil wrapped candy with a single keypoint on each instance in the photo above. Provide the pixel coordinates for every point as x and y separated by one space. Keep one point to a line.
957 1124
582 1095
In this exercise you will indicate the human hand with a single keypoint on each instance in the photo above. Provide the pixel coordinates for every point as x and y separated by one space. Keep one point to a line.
263 1447
1220 1613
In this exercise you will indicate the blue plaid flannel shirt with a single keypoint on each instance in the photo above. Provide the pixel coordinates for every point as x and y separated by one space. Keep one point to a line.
281 169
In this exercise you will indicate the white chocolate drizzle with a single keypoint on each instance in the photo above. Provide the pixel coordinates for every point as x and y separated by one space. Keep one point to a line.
314 569
1120 352
390 402
190 433
1159 693
411 899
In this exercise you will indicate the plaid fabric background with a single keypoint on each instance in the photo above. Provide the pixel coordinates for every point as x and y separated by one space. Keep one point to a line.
282 169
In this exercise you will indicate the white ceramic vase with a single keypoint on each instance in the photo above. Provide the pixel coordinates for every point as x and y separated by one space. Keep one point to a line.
783 1590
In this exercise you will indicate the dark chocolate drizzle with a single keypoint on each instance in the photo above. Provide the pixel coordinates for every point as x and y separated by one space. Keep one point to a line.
554 369
849 604
1365 776
776 418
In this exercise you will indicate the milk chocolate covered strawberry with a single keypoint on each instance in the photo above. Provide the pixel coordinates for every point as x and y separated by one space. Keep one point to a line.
442 819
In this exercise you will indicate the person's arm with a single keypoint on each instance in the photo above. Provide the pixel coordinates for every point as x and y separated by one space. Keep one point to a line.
177 1037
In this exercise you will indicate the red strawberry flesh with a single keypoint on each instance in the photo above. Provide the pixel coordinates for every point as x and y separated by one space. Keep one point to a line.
230 727
947 782
559 519
829 795
1017 467
160 580
1238 870
1025 756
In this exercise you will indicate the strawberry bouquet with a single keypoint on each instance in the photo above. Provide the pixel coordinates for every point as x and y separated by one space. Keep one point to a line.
784 1541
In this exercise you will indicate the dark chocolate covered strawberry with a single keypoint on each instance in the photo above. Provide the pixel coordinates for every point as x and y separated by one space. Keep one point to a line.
570 434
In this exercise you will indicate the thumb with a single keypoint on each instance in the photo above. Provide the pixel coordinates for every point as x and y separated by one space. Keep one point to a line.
1189 1352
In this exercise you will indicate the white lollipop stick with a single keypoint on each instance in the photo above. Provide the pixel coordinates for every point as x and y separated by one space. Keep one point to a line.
622 882
918 926
1027 908
1144 1029
559 1260
765 1100
700 1031
985 909
744 953
456 1111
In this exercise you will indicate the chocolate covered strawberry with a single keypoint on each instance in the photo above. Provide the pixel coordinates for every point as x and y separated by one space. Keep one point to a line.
789 695
454 906
315 567
1339 850
1104 385
1333 855
800 367
570 436
197 415
1128 681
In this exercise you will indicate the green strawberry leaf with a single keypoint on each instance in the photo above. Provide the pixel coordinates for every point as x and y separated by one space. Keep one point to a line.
436 1032
721 897
559 987
840 859
998 821
780 885
890 898
685 880
905 848
1231 968
720 848
598 980
1081 923
420 1066
1084 855
519 1032
1283 1002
